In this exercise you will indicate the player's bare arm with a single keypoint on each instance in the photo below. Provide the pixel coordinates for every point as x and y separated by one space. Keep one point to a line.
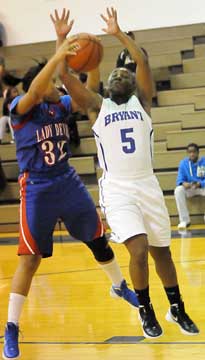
41 82
143 73
87 99
93 80
93 83
63 25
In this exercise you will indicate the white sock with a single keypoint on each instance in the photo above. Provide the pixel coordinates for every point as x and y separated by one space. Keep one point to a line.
113 271
16 302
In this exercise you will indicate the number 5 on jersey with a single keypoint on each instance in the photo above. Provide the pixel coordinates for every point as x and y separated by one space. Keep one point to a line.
128 140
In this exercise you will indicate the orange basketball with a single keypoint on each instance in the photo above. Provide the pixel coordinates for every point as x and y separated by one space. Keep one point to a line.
89 55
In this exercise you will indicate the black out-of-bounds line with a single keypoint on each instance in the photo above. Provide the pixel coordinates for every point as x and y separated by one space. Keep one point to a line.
106 343
99 269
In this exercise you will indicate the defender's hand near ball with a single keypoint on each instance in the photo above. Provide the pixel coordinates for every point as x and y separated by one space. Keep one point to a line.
111 21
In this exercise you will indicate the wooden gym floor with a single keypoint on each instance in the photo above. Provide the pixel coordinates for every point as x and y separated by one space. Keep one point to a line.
70 315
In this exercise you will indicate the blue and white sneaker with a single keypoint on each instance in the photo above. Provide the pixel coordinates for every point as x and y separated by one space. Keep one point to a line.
125 293
11 348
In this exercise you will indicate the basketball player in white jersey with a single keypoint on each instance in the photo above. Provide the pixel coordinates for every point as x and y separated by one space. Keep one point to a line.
129 192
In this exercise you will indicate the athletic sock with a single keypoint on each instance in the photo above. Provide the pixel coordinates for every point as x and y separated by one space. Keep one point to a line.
143 296
173 294
113 271
16 302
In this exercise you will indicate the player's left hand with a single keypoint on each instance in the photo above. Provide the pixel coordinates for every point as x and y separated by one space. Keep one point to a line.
67 49
62 24
196 185
111 21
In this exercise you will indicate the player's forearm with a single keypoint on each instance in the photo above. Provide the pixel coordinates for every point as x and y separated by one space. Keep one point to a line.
39 85
62 67
70 81
76 89
134 50
93 81
59 41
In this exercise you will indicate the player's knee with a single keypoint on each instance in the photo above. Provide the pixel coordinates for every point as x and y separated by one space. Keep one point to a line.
140 256
101 249
178 190
161 254
138 249
30 263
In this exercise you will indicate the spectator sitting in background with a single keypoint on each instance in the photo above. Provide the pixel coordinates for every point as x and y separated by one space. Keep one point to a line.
2 71
83 78
190 182
124 58
10 94
2 178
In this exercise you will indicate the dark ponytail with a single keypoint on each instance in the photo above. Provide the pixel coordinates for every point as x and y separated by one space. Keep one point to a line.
27 79
11 80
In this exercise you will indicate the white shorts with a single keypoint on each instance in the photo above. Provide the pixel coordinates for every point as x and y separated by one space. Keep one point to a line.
194 192
135 207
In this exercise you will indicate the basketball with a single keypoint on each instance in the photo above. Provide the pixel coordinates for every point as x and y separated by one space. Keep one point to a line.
89 55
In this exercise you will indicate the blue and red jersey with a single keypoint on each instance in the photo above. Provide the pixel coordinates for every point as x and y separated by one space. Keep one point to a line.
42 137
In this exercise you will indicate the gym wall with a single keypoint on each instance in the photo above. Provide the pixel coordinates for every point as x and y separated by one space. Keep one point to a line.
28 21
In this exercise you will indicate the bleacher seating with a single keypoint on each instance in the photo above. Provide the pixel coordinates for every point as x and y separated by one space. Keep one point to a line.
170 159
194 65
178 119
188 80
199 50
180 97
180 139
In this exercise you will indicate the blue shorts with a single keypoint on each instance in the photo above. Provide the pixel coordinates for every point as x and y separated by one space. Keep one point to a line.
44 201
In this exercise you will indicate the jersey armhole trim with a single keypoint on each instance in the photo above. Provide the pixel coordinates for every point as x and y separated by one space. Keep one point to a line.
22 123
95 134
139 98
103 155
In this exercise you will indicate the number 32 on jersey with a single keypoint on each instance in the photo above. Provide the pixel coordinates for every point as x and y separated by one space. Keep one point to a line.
48 149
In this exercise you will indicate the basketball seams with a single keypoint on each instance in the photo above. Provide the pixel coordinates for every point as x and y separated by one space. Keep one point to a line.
94 57
99 51
85 46
93 53
88 60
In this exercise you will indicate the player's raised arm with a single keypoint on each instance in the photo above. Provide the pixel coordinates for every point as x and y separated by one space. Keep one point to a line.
81 95
86 99
143 73
42 81
63 25
93 80
93 84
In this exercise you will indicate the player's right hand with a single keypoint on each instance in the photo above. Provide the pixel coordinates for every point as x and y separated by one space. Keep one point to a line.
67 49
111 21
187 185
62 24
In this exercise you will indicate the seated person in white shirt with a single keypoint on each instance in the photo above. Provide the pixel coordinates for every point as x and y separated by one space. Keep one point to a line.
190 182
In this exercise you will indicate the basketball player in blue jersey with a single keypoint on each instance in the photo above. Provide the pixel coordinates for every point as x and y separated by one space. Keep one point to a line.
50 189
129 192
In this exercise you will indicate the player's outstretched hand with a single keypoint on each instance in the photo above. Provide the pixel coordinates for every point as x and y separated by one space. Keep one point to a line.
111 21
67 49
62 23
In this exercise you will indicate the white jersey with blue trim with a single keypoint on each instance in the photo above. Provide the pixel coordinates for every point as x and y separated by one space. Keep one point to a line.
124 138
